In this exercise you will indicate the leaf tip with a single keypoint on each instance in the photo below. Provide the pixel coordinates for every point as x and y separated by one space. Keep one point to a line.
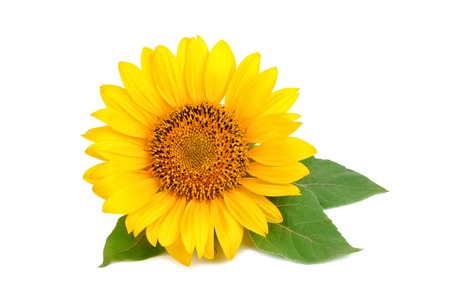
354 250
380 190
104 264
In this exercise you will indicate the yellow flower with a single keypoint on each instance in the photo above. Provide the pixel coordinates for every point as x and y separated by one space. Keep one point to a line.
193 145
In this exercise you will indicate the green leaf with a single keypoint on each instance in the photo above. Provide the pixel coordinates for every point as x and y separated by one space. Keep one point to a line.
121 246
334 185
306 235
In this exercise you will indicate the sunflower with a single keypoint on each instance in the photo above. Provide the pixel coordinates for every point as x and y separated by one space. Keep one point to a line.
193 145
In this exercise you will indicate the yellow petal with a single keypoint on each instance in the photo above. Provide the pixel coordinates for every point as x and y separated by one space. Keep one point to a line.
98 133
131 219
187 226
159 205
259 91
280 101
121 122
119 150
141 90
97 172
182 53
195 70
169 77
202 226
271 127
105 137
229 231
170 227
152 230
131 197
239 82
245 211
203 46
106 133
182 59
209 247
118 99
196 226
269 209
126 164
178 251
109 184
278 174
94 154
219 69
147 57
261 187
282 151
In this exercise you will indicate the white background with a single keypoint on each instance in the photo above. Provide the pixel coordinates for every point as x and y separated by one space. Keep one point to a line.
374 79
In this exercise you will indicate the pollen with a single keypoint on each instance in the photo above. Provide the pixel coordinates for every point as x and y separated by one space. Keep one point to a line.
198 151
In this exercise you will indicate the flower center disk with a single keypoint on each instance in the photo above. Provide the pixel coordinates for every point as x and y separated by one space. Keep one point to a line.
198 151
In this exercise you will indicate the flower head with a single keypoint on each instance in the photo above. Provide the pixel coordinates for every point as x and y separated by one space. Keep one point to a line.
193 145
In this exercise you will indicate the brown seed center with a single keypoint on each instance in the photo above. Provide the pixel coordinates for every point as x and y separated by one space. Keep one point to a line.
198 151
